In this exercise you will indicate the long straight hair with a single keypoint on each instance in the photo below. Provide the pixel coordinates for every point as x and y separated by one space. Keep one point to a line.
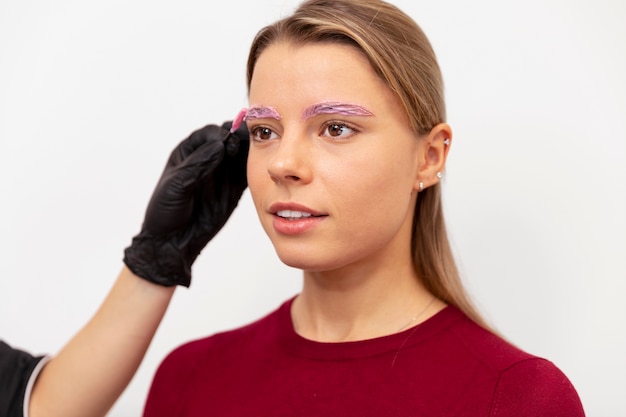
402 56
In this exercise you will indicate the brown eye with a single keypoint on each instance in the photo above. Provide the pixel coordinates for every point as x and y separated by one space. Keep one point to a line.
335 129
262 133
338 130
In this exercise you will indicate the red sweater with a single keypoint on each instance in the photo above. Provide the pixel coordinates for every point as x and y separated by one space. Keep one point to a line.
446 366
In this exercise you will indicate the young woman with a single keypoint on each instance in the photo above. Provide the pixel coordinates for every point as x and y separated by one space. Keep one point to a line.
348 142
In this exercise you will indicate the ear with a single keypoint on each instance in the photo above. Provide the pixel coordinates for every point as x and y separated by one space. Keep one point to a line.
433 152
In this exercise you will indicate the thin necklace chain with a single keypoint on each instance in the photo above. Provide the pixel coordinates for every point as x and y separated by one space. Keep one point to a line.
414 319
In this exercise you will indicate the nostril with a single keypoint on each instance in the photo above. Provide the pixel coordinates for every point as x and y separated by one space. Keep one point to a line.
288 164
286 179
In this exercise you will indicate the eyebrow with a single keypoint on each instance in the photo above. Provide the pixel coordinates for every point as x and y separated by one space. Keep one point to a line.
335 107
330 107
262 112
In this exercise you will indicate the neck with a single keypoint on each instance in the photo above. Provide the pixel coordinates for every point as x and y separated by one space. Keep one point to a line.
361 304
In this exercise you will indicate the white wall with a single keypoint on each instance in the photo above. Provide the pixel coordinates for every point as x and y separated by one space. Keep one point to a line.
93 96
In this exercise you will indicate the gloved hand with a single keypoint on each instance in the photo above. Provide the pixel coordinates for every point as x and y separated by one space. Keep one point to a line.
197 192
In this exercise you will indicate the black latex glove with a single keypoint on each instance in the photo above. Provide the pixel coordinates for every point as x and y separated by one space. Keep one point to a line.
198 190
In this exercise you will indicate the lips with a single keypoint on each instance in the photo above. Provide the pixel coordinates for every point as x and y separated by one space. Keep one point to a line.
294 219
293 214
294 211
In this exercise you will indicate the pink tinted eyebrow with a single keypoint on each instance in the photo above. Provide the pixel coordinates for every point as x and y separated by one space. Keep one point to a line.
262 112
335 107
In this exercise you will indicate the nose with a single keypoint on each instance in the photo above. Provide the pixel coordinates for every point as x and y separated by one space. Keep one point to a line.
290 162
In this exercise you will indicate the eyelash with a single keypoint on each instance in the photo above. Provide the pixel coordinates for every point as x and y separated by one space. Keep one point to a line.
341 125
254 131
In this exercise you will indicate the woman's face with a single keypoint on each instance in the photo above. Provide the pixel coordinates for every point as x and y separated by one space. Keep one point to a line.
333 163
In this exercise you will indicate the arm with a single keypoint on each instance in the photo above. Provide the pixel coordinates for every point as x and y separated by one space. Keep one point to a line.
198 190
92 370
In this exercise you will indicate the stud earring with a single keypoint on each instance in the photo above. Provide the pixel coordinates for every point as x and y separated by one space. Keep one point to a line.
446 141
421 186
439 175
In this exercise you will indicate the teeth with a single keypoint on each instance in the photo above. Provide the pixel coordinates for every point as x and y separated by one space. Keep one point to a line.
292 214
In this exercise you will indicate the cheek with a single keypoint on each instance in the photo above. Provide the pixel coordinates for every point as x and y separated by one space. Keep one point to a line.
368 190
378 170
256 173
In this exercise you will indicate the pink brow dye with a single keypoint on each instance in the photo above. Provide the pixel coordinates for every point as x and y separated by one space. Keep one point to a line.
262 112
343 109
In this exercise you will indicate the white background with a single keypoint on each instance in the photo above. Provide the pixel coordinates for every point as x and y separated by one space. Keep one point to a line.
94 95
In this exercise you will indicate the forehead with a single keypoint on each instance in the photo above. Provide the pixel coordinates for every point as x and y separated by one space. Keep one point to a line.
315 72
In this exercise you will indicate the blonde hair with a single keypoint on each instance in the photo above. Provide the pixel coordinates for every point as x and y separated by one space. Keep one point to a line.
402 56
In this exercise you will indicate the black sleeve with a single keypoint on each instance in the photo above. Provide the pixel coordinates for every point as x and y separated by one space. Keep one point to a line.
16 368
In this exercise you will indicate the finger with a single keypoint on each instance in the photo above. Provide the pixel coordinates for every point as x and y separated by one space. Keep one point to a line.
235 139
209 133
201 163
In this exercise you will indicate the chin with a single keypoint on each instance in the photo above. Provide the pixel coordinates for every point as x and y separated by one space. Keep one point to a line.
299 262
309 261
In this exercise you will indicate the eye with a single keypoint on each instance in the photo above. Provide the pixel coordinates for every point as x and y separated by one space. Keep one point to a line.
262 133
341 130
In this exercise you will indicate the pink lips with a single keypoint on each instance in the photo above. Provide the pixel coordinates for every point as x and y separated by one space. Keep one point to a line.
293 219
